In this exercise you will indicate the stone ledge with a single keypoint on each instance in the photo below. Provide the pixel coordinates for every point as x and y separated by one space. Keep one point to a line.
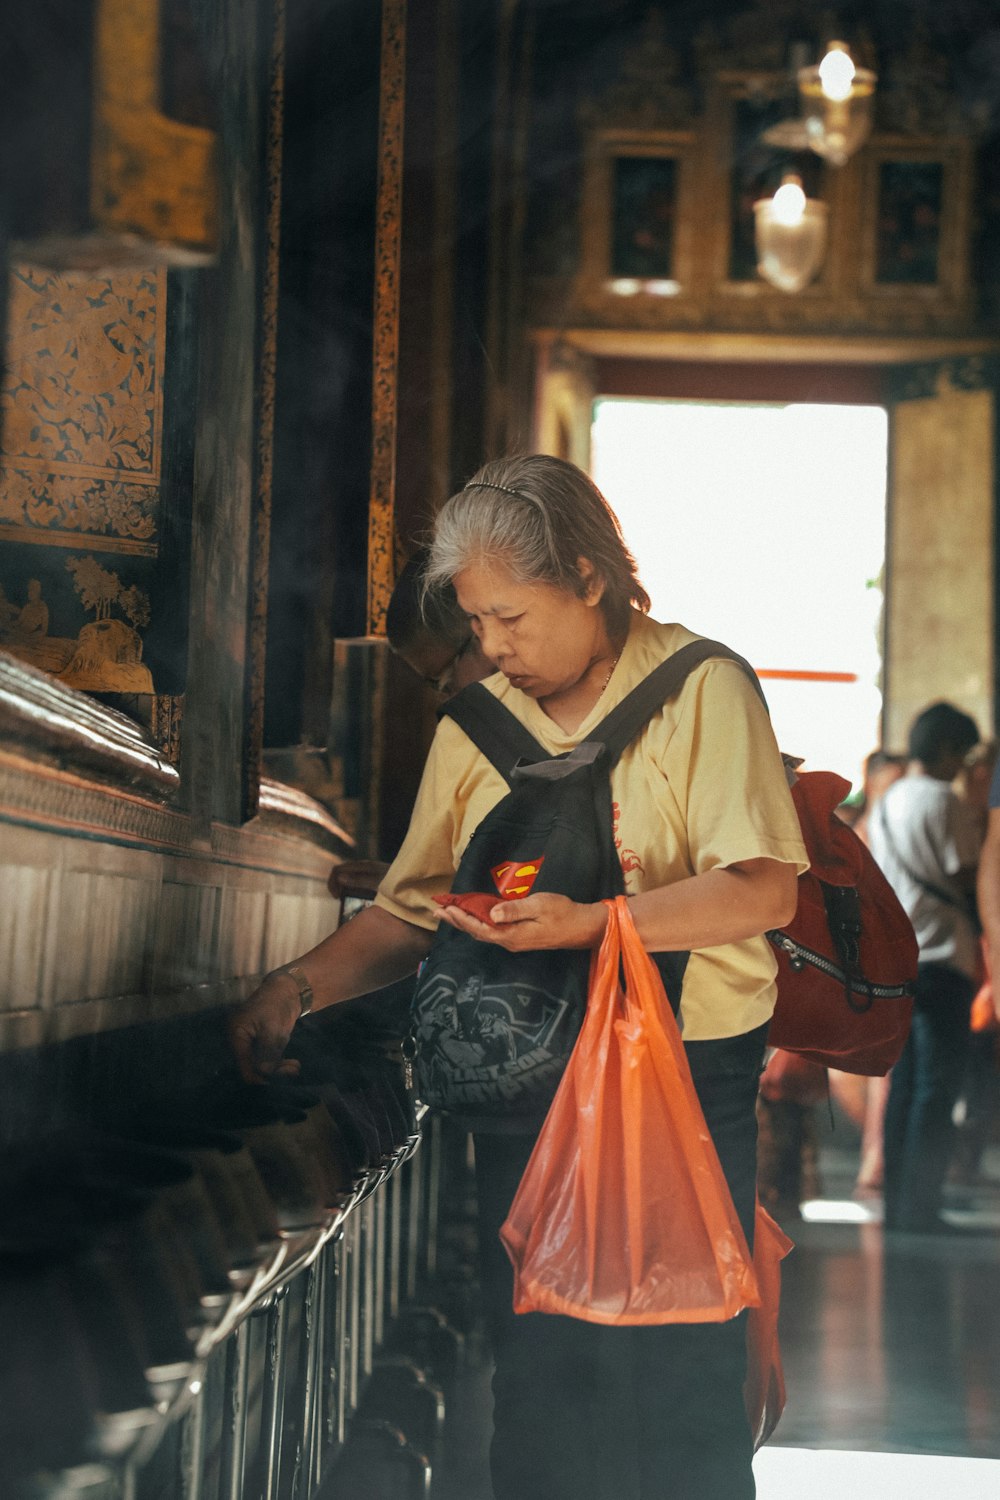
287 809
72 765
59 726
36 795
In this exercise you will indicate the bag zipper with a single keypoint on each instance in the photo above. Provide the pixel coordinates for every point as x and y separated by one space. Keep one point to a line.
799 956
408 1049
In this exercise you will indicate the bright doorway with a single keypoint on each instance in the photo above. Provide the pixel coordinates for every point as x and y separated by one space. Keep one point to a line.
764 526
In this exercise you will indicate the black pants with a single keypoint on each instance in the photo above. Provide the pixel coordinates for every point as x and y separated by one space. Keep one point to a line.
922 1094
585 1412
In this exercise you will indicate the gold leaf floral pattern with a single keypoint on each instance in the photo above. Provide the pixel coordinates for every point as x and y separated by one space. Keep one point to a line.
81 408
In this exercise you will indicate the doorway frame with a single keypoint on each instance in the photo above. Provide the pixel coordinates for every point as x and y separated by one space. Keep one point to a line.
748 367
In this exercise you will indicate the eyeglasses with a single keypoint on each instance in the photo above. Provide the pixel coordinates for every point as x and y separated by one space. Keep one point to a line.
441 682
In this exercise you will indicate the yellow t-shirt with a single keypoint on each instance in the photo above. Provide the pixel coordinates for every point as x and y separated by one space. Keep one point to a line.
701 787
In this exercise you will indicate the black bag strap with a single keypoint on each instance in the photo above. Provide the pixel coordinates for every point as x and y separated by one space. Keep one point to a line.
626 719
503 739
493 729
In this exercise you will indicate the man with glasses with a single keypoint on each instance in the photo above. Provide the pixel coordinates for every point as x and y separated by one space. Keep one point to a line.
437 644
433 639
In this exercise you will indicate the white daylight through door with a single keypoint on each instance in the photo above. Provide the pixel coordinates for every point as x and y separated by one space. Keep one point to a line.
764 526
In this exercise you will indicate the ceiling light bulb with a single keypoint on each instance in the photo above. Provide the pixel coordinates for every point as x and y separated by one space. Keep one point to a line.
790 234
836 72
789 202
837 101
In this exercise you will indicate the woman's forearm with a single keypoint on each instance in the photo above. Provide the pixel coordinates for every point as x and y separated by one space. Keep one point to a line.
719 906
370 951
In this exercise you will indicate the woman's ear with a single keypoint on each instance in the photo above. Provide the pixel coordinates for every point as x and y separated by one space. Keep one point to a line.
592 584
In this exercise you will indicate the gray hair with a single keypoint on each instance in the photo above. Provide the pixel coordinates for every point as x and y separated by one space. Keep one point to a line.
539 516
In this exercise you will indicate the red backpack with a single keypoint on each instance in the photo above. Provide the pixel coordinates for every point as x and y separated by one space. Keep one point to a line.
847 961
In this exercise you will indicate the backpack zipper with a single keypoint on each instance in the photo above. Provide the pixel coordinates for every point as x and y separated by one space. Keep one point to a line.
799 957
408 1048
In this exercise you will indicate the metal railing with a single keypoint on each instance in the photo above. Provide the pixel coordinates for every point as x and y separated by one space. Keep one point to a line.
295 1371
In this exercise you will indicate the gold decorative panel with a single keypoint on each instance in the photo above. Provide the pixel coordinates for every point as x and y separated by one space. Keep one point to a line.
917 195
152 177
640 191
80 455
665 240
82 409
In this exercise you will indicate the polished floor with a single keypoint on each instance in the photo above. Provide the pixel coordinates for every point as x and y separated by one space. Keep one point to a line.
891 1348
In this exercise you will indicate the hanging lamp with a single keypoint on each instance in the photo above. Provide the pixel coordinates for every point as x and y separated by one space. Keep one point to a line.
790 235
837 102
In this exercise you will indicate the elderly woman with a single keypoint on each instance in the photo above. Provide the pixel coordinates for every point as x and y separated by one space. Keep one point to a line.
710 851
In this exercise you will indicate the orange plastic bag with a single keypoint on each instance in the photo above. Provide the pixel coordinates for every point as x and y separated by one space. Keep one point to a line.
623 1215
764 1388
984 1015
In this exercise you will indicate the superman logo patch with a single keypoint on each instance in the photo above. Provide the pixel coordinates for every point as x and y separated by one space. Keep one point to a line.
514 881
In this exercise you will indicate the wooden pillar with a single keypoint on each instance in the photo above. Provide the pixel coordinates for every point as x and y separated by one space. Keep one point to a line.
940 546
220 742
385 353
265 406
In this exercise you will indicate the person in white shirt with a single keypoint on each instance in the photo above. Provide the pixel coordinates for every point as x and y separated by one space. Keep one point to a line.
927 843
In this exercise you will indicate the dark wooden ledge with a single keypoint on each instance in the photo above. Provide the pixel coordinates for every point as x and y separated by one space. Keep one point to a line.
61 726
85 753
288 810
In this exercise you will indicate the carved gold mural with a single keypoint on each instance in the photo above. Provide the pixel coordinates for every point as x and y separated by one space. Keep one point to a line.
82 408
80 450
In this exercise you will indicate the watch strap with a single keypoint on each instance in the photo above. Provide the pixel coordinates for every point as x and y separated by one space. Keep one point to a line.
306 996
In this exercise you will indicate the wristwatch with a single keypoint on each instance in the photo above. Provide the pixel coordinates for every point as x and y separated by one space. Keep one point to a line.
306 996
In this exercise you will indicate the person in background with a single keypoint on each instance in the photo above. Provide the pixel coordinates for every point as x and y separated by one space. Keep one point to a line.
980 1096
435 641
927 843
430 633
864 1099
974 780
881 769
788 1140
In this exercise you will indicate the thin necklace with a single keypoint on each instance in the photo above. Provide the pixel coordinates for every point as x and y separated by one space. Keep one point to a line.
611 673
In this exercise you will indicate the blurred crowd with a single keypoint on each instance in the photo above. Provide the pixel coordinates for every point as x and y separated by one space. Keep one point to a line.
927 1126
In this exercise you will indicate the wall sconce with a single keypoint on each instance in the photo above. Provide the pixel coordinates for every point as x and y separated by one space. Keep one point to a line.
790 234
837 101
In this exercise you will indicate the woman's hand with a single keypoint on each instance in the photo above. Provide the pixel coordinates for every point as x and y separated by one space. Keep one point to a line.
259 1029
542 921
726 905
370 951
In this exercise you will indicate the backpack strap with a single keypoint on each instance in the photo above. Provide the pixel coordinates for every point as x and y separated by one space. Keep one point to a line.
628 717
503 739
493 729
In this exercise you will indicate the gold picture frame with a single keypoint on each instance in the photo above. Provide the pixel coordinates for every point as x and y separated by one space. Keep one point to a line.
637 217
914 248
